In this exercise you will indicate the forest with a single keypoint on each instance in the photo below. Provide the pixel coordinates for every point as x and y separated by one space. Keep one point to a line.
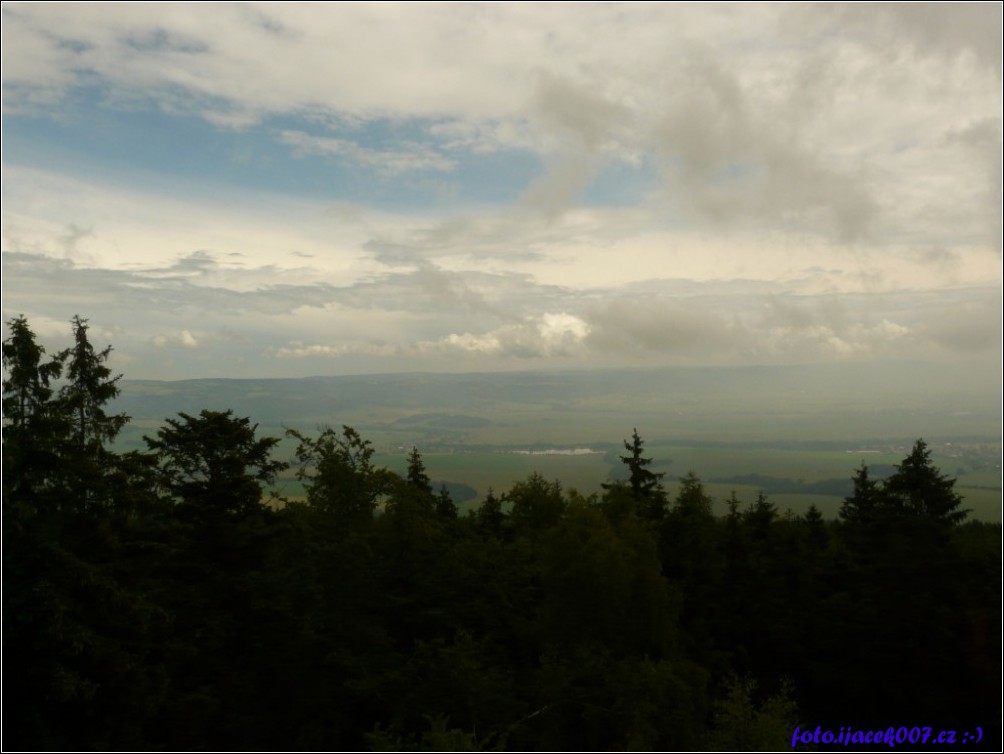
169 598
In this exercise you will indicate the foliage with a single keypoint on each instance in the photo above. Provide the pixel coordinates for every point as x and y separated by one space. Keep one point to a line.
35 427
89 388
213 463
743 724
174 610
916 488
445 507
339 475
26 391
862 504
416 476
536 503
647 491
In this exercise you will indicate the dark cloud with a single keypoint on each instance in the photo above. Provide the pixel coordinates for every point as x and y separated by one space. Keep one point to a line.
565 177
158 40
197 263
983 135
667 327
432 291
197 283
944 29
729 158
577 110
981 142
173 290
972 326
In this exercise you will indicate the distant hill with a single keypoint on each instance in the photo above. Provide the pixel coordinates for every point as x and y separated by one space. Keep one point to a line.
795 432
727 404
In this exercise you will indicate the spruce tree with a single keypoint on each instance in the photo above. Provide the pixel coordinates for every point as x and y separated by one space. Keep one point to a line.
445 507
646 485
863 502
692 501
490 516
214 464
919 488
26 390
35 429
89 388
416 476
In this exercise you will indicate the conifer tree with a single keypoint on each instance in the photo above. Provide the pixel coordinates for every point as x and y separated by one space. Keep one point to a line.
490 516
90 387
862 503
35 428
536 503
646 485
445 507
26 390
416 476
213 463
920 489
692 501
816 527
760 515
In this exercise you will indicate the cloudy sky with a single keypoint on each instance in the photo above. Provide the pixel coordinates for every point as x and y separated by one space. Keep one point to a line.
288 190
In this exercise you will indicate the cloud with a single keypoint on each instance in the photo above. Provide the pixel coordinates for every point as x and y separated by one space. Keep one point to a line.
972 327
918 325
451 187
547 335
388 162
182 339
823 130
577 112
184 289
823 340
543 336
298 350
730 159
667 327
941 29
564 178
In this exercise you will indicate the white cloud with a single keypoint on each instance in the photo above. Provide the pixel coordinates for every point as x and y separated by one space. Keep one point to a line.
785 157
562 326
298 350
694 86
153 227
546 335
182 339
488 343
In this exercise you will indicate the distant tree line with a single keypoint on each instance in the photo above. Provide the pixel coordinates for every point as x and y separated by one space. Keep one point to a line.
166 599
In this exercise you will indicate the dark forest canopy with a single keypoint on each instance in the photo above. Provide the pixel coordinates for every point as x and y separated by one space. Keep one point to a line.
167 599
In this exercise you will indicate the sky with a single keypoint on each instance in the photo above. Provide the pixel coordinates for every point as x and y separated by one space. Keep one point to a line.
266 190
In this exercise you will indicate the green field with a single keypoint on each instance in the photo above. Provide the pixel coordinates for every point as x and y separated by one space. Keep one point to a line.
798 433
498 470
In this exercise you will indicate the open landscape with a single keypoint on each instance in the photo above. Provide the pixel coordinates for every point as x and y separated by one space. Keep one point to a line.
502 376
796 433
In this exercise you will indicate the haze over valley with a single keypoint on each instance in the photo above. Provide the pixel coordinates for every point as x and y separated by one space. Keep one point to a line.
483 376
802 428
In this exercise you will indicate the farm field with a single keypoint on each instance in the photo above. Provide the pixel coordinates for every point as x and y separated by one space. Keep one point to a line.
796 433
499 469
